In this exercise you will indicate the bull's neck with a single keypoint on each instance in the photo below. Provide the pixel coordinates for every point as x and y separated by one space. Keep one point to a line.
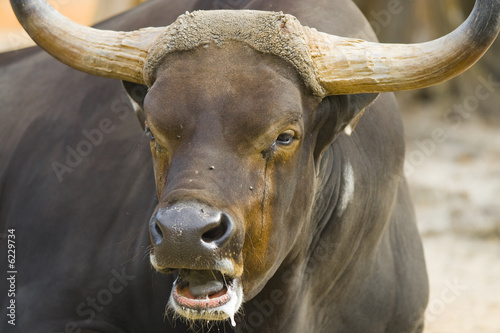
336 256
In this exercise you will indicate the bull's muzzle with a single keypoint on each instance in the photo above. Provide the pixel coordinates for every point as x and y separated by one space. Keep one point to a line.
190 235
202 244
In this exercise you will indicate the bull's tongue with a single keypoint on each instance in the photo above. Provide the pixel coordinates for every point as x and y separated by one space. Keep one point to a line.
202 284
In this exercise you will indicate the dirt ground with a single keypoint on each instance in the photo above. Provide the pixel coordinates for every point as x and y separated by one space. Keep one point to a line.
453 169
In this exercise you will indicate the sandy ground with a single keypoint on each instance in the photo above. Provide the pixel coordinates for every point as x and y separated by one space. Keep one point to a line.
465 284
453 168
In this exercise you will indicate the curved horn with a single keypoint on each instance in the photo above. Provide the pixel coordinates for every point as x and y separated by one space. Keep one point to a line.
348 66
338 65
112 54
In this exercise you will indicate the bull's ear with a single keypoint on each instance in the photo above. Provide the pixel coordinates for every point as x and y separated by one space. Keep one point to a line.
339 113
137 93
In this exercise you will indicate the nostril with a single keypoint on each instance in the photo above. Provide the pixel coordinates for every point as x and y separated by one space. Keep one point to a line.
156 232
218 232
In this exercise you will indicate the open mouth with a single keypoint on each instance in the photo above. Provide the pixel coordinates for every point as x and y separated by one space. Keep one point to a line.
206 294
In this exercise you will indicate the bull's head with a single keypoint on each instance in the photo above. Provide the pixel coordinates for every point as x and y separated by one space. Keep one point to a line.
239 107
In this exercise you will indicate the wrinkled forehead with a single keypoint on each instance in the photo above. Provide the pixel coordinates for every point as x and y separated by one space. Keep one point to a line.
229 80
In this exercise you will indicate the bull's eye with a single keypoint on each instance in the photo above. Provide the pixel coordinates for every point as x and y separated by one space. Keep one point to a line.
149 134
286 138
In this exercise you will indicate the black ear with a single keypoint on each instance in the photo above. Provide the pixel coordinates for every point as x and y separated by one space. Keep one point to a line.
137 93
339 113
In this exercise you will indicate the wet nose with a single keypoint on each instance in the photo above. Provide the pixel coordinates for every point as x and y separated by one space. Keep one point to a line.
189 230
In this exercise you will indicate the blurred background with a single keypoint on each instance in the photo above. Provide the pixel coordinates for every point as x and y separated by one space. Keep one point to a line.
86 12
453 155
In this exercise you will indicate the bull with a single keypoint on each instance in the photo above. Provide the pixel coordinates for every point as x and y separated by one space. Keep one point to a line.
275 200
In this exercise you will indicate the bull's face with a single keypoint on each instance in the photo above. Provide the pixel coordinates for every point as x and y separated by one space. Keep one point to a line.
233 137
